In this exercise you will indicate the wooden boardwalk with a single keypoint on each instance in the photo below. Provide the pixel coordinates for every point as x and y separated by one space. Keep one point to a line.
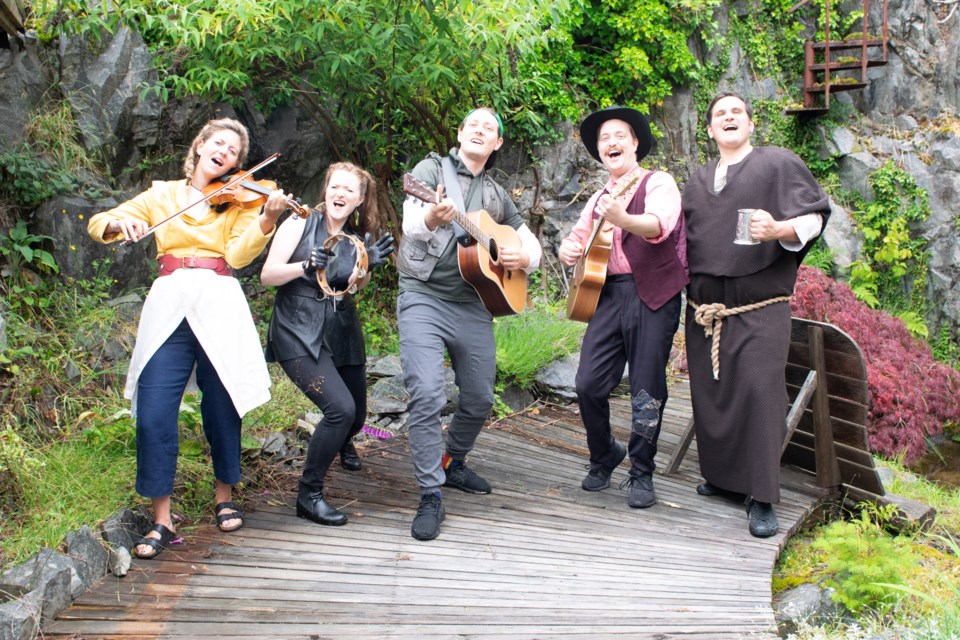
538 558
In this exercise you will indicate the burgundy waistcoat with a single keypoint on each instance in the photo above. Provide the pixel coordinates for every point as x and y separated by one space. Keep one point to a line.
658 272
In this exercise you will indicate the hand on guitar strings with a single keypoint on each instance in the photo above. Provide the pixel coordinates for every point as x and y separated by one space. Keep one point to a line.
317 261
514 258
378 251
613 211
570 252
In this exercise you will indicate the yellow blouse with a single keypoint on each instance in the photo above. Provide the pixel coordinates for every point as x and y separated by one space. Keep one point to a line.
234 234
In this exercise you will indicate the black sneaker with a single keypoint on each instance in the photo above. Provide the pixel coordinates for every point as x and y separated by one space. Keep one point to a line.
430 513
599 477
763 519
460 476
641 491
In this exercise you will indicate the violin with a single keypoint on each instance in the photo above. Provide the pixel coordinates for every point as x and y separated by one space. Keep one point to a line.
226 187
248 194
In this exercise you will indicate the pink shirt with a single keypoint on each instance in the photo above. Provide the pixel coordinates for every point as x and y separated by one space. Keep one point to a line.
662 200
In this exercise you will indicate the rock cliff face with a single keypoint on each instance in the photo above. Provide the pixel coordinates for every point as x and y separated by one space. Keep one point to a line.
141 139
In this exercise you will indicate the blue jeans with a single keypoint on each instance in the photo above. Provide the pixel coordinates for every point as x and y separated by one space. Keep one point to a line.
159 392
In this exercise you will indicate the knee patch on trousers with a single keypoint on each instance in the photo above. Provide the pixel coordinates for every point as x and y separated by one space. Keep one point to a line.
646 415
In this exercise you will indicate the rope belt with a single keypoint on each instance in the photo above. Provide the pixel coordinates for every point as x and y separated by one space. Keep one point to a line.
710 317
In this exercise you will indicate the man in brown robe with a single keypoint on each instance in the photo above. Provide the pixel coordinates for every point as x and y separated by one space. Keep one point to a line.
740 398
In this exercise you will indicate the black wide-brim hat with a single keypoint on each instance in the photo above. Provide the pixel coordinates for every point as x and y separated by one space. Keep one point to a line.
641 128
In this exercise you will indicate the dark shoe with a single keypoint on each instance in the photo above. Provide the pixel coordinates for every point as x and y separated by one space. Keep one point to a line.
711 490
223 516
763 520
460 476
156 544
349 458
313 507
430 513
599 477
641 491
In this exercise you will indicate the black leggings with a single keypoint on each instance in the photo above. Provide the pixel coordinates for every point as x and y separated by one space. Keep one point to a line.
341 394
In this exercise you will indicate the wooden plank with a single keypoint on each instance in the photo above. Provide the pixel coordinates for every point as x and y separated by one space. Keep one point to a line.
827 469
684 444
911 515
539 557
798 406
852 474
851 389
847 433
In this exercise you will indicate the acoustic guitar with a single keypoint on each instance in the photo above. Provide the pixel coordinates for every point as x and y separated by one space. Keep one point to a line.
590 272
503 292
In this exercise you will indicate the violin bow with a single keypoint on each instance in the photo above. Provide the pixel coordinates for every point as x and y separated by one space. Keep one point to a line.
227 185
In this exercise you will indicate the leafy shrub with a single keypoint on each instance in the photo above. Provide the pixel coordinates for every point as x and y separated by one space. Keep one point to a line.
533 339
865 563
911 394
31 179
893 272
17 463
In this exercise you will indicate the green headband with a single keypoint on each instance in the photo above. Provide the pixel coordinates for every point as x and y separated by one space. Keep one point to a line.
495 115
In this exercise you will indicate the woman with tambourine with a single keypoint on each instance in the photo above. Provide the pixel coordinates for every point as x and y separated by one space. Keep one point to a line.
317 262
195 325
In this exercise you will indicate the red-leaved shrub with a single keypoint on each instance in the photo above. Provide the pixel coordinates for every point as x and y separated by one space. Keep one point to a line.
911 394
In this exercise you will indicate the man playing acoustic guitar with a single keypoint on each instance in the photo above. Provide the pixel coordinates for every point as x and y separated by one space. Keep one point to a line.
638 309
437 311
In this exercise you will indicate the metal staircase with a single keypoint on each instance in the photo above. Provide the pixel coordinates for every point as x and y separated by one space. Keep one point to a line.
825 73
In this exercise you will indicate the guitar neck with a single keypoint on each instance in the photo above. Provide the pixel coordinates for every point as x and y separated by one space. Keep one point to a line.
472 230
420 191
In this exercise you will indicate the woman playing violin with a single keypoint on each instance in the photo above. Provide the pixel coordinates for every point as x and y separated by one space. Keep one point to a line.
195 329
316 337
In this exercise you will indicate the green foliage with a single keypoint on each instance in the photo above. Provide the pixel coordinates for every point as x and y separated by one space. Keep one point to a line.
947 625
377 308
634 53
893 272
819 257
18 465
22 249
533 339
79 485
116 433
23 258
50 161
945 347
30 179
861 558
53 133
384 81
771 39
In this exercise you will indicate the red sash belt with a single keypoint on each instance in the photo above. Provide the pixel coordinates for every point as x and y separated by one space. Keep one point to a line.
169 263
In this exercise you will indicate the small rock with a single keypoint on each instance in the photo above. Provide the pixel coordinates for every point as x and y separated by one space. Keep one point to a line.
119 561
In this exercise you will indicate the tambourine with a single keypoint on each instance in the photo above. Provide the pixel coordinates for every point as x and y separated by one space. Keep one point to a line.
360 265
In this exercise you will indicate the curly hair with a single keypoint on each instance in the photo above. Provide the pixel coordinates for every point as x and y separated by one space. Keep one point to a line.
366 215
212 127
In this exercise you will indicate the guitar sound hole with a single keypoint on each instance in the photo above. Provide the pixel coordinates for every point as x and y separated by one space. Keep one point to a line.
494 252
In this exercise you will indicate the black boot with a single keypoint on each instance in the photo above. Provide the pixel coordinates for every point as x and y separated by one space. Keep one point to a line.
349 458
312 506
